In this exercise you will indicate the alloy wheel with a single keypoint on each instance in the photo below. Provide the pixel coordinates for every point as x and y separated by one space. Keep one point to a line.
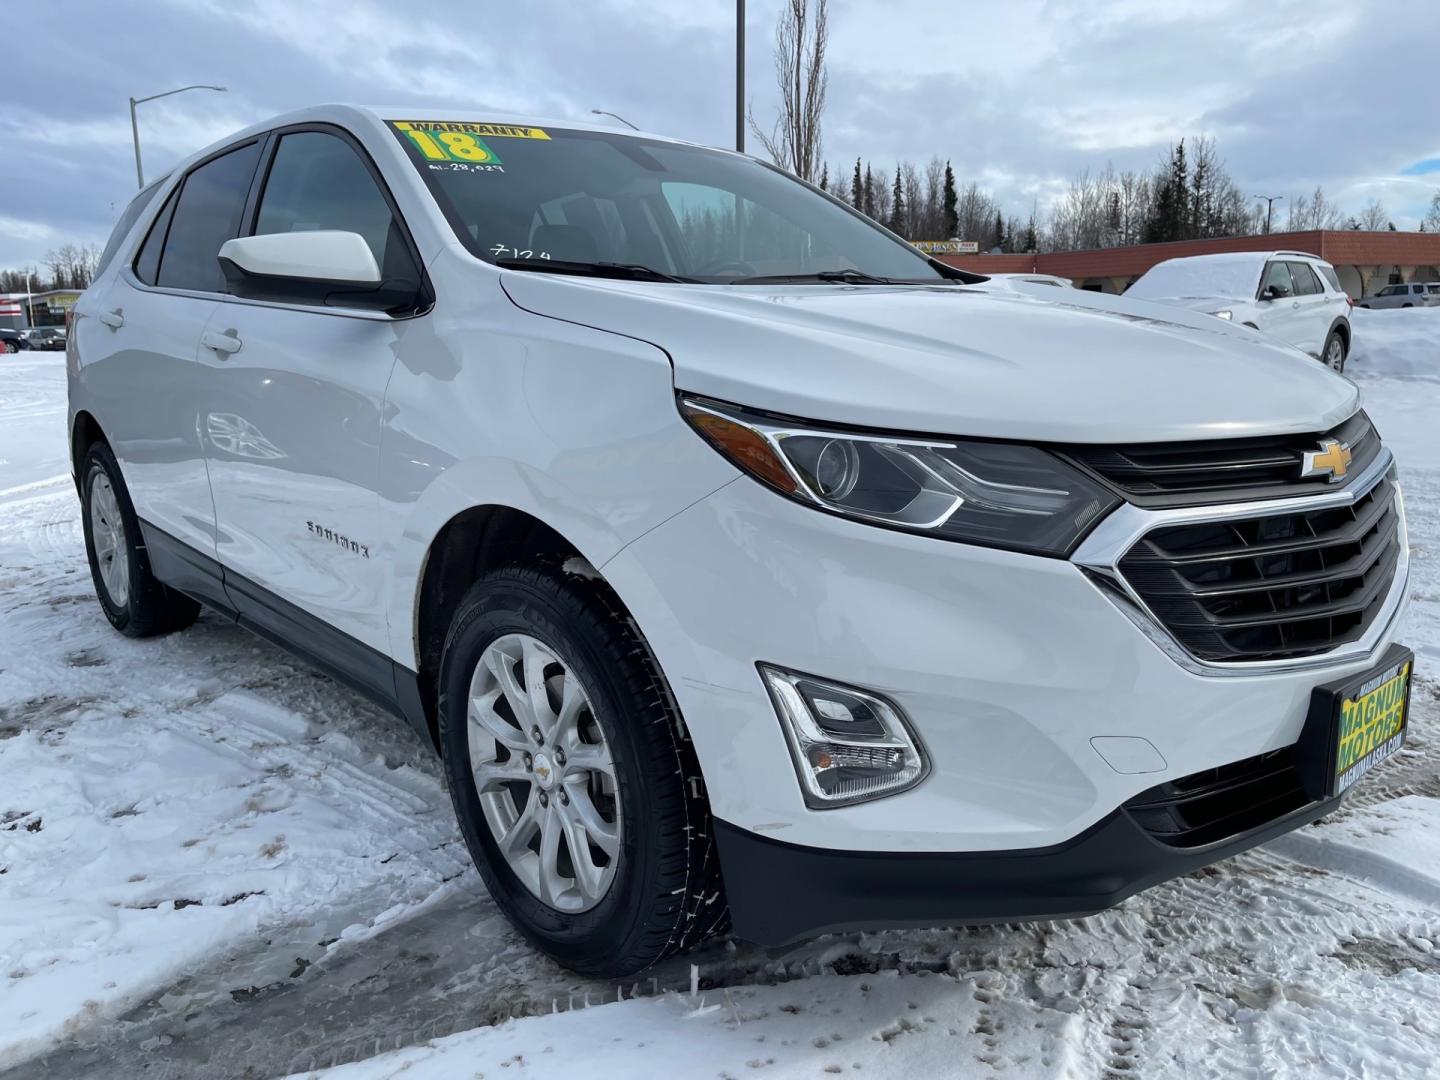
107 532
544 773
1335 354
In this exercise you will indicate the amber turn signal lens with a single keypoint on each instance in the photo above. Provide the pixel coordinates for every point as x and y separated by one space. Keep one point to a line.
744 447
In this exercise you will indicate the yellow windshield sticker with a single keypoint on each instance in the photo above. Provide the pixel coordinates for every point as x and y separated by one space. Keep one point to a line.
488 131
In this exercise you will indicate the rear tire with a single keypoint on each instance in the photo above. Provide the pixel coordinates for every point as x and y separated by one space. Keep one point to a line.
1335 352
135 602
631 782
11 347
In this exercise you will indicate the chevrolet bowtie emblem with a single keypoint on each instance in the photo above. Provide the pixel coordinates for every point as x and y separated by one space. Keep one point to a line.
1330 461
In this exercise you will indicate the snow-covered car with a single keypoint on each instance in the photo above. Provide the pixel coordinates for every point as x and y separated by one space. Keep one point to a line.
748 569
1287 295
1050 280
1415 294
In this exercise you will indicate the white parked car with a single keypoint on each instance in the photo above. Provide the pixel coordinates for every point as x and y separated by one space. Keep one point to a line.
750 570
1049 280
1287 295
1415 294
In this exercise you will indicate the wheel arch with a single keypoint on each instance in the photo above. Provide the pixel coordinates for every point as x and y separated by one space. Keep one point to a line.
473 541
1341 326
85 431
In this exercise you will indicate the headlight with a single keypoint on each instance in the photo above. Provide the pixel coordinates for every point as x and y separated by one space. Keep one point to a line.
991 493
1226 315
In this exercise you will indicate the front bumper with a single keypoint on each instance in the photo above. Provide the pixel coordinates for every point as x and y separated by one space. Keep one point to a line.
780 893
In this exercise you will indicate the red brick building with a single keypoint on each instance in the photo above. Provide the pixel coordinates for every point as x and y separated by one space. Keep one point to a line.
1366 261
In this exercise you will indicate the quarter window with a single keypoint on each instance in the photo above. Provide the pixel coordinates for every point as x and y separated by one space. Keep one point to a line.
207 214
125 224
147 262
317 181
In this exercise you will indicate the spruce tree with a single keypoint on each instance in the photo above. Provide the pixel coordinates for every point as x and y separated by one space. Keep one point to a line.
951 204
825 177
869 193
897 206
999 231
857 189
1031 242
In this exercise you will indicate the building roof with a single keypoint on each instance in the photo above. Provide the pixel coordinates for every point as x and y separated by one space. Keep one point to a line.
1340 247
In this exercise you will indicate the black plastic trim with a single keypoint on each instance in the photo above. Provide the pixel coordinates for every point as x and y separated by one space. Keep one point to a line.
780 893
363 669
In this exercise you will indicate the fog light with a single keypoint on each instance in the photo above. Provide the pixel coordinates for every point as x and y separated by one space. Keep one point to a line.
848 745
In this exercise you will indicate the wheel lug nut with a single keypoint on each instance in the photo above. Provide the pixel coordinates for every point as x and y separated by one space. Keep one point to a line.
535 734
564 797
529 761
544 799
559 756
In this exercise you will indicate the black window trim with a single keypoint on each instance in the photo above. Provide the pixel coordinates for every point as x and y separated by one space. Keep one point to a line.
269 141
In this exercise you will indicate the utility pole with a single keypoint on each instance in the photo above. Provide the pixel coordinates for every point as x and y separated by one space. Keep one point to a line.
740 76
1270 201
135 126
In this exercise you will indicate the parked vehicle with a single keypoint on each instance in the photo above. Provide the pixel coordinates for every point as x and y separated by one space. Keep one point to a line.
1005 280
743 568
1286 295
12 341
1415 294
48 338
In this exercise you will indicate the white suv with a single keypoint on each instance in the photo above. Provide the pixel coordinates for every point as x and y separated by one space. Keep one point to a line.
1415 294
1287 295
745 565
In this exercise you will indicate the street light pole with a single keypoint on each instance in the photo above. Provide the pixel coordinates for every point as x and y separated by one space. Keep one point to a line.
1270 201
617 116
135 124
739 76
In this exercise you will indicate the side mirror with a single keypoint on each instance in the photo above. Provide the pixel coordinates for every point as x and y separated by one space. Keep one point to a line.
1271 292
324 267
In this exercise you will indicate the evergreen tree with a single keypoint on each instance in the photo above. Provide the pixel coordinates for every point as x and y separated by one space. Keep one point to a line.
1008 241
869 193
951 204
1031 240
1170 216
825 177
857 189
999 231
897 206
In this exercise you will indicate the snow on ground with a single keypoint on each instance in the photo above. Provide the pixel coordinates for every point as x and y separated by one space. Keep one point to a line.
216 863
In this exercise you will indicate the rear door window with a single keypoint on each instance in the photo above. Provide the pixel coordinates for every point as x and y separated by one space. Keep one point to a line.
207 213
1306 283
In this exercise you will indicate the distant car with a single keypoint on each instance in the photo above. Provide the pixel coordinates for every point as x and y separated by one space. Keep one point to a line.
1011 280
1287 295
1415 294
48 338
12 341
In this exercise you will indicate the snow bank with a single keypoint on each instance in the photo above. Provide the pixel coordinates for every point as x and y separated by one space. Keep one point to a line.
1403 343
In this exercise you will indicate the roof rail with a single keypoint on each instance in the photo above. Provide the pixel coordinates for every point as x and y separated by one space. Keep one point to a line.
1302 254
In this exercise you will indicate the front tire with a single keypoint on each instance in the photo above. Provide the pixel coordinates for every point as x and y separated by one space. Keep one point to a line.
133 599
11 347
575 784
1335 352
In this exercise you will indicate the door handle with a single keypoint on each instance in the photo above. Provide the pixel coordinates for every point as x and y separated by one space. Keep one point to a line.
1296 304
224 344
113 319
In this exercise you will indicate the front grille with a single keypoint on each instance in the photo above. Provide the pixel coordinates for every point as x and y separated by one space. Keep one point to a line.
1273 587
1222 470
1216 804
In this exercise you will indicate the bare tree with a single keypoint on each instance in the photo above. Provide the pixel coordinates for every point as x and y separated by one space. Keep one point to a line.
800 39
1315 212
1373 218
1432 216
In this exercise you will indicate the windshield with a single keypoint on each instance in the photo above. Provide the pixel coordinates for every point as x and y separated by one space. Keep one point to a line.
1198 278
521 194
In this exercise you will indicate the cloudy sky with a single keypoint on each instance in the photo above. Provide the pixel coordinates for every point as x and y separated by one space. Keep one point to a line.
1020 95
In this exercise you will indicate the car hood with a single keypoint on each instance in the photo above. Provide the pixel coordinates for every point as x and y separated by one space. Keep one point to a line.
1082 367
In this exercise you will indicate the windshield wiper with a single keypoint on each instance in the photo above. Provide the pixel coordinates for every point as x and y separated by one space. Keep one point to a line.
623 271
844 277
